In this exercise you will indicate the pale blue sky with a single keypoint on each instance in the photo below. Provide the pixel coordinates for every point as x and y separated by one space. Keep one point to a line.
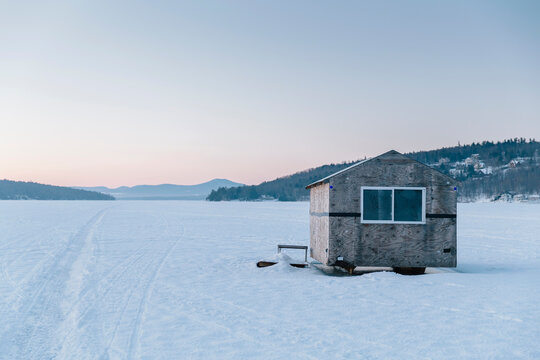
125 93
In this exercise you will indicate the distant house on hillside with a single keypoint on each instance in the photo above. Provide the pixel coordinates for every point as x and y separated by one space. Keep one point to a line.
389 211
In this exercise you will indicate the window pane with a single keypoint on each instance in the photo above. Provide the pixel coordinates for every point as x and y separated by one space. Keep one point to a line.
407 205
377 204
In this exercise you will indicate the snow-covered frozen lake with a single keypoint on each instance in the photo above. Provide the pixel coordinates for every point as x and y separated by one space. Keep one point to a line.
177 280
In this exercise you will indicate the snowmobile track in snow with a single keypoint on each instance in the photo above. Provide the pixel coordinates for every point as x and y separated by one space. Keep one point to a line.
135 335
33 331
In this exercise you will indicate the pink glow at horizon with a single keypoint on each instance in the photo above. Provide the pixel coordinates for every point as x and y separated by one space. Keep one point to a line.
110 94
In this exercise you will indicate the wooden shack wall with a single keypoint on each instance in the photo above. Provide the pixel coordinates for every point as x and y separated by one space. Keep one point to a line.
318 222
392 244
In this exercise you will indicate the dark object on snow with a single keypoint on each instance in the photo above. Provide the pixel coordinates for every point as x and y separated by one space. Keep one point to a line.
388 211
410 270
270 263
346 266
263 263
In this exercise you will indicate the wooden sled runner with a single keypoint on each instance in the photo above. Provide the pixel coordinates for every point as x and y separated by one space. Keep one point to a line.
270 263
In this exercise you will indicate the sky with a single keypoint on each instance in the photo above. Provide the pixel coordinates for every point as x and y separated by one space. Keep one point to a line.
129 92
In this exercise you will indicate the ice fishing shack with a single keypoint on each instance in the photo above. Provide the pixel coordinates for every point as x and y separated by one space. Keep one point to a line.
387 211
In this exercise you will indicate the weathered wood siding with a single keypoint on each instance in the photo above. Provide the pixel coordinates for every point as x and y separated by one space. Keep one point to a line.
318 199
319 222
430 244
407 245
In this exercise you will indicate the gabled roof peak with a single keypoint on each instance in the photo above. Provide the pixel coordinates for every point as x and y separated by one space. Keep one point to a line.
391 152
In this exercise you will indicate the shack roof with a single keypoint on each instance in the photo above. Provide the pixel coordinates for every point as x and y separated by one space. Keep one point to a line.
391 152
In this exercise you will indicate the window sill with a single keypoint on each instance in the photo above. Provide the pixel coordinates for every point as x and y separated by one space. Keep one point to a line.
392 222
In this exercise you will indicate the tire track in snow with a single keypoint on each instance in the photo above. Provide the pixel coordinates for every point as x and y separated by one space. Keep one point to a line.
73 271
101 294
136 333
98 299
40 269
117 303
110 277
105 354
39 316
24 241
122 265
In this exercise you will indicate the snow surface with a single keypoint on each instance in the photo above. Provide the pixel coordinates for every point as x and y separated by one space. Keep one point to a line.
177 280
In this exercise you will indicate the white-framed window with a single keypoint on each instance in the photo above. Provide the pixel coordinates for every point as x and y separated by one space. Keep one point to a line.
393 205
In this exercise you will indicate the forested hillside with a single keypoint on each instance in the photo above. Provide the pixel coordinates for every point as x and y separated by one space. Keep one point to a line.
21 190
287 188
491 170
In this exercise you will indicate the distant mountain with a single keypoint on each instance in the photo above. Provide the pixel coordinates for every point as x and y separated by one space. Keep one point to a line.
164 191
21 190
503 170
